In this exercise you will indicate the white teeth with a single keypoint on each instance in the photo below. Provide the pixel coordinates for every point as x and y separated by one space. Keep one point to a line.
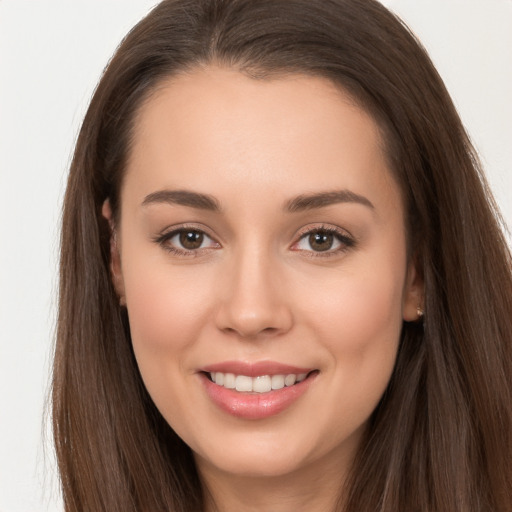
289 380
259 384
243 383
229 381
277 381
262 384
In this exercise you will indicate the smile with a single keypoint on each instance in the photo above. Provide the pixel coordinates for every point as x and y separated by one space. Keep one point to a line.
255 391
258 384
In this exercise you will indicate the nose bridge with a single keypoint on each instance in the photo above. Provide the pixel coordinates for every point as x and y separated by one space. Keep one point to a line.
254 300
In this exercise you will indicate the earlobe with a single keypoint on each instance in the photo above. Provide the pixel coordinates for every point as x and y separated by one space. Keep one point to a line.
413 303
115 256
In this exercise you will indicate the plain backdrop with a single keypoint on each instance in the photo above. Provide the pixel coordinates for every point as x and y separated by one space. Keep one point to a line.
51 56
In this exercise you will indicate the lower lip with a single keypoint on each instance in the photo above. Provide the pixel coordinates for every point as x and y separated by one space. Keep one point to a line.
255 406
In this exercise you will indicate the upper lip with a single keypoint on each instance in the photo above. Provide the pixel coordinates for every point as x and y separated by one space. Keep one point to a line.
255 369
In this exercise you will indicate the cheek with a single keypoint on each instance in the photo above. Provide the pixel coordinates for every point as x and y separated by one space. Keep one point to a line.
358 321
167 312
167 306
357 310
370 334
368 298
371 317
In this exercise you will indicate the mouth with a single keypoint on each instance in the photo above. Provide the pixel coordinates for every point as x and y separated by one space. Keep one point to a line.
258 383
256 391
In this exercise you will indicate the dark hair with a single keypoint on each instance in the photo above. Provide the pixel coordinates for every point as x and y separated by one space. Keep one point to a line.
441 437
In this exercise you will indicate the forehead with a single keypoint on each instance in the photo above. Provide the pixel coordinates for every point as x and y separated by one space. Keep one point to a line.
217 128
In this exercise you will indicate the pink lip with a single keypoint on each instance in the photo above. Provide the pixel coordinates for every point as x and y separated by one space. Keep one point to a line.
254 406
255 369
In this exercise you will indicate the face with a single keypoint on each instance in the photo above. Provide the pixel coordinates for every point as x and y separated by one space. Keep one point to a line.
261 253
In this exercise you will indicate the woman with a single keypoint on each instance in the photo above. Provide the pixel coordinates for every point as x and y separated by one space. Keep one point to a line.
283 284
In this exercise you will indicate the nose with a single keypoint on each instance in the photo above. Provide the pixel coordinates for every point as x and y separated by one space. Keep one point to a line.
253 298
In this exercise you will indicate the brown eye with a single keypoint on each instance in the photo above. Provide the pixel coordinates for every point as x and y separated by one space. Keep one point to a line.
187 242
191 240
324 242
321 241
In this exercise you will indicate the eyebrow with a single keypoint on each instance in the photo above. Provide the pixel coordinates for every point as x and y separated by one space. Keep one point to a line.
297 204
322 199
183 198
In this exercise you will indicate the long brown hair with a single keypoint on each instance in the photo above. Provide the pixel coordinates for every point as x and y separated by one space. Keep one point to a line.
441 438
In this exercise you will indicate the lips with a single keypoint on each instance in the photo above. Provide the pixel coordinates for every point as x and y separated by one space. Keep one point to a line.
255 391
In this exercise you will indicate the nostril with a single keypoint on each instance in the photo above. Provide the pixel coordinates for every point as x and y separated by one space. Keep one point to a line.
252 333
253 316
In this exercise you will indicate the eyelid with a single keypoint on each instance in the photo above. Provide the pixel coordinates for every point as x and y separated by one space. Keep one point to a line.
346 239
170 232
192 226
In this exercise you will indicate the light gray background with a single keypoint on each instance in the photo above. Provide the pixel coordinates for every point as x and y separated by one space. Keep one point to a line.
51 56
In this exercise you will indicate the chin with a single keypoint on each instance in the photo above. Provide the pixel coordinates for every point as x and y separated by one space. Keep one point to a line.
264 458
262 466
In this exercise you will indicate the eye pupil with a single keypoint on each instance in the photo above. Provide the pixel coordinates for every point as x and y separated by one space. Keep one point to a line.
321 241
191 239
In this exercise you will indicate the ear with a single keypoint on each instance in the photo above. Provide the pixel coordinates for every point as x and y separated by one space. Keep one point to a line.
414 293
115 256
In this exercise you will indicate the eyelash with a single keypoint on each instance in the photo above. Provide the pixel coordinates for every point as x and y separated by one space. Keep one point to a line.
345 241
164 239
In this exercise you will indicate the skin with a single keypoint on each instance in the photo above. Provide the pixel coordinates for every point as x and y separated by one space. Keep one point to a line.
256 290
